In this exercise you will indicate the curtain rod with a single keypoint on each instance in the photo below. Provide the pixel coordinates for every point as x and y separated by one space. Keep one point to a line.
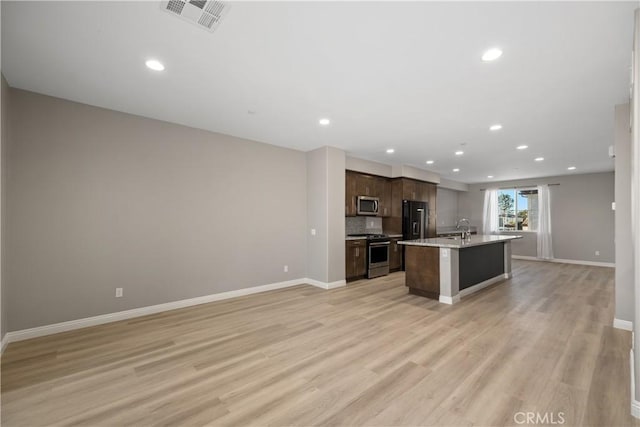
517 188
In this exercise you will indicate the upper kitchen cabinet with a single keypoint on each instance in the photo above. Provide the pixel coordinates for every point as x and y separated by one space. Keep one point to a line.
431 226
385 195
417 190
359 184
350 194
424 191
365 185
410 189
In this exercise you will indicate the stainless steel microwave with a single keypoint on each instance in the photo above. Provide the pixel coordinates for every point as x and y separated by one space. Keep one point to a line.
368 205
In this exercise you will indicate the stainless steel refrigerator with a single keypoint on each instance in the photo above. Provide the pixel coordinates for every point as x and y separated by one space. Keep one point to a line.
415 217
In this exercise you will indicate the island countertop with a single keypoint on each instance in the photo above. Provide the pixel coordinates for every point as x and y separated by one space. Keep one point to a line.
457 243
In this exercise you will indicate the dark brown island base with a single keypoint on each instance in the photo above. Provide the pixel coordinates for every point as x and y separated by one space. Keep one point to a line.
448 268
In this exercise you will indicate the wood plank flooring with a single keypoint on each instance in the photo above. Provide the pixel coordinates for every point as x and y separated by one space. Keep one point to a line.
368 354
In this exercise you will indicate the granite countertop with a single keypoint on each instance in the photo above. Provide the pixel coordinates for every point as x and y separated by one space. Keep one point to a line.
452 229
456 243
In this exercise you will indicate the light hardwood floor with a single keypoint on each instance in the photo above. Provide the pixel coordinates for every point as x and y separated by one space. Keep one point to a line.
367 354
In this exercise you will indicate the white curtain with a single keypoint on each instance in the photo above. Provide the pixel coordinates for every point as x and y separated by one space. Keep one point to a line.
490 212
545 244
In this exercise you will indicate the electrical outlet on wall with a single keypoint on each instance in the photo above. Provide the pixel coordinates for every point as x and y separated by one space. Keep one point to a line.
313 231
118 292
597 253
286 268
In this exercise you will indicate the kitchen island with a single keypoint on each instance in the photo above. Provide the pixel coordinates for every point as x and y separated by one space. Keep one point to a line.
448 268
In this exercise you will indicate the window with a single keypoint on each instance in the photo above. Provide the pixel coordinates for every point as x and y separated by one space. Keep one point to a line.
518 209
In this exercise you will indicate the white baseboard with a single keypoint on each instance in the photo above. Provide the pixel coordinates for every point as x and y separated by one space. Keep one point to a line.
449 300
635 405
592 263
566 261
325 285
144 311
482 285
4 343
623 324
635 408
527 258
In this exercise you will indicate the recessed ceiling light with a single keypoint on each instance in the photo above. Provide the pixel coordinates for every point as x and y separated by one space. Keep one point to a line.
571 168
429 162
324 122
522 147
390 150
491 54
154 64
539 159
489 176
456 170
495 127
459 153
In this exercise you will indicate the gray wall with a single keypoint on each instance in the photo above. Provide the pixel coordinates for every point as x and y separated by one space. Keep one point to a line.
581 217
623 242
4 114
335 215
325 205
98 199
446 207
635 191
318 243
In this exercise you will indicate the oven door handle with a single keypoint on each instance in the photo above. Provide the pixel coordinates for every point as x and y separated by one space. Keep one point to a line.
379 243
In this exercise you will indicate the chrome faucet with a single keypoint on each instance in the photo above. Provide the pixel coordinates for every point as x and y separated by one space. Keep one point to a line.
463 223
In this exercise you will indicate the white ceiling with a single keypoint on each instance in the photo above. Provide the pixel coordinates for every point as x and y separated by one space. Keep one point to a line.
388 74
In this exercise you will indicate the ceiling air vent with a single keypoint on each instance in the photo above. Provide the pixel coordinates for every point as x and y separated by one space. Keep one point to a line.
204 13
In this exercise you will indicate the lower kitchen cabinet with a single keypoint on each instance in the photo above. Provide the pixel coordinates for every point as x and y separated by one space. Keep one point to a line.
356 258
395 254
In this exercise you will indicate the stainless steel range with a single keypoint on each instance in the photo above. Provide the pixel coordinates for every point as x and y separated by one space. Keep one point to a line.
377 254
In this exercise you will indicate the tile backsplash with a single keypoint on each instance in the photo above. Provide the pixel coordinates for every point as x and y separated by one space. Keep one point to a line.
363 224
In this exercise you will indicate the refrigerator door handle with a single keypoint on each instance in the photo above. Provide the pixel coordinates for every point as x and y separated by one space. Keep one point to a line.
415 228
422 224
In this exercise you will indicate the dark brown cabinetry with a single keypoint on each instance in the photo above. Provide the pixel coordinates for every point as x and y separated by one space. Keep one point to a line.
365 185
411 189
350 194
359 184
391 192
430 197
384 186
395 254
423 271
356 258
